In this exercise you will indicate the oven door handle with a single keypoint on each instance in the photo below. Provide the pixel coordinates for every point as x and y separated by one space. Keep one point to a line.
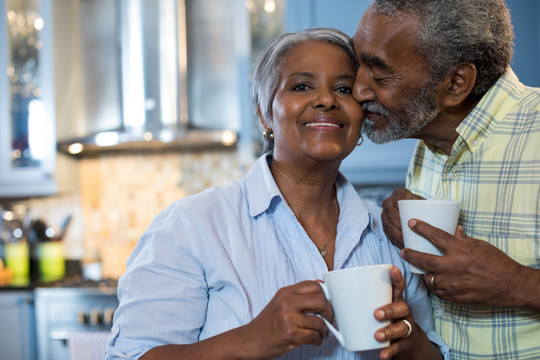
59 335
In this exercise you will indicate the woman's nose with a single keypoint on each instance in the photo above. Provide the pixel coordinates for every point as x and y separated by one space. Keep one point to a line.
326 99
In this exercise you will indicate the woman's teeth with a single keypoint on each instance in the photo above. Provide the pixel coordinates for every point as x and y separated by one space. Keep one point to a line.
323 124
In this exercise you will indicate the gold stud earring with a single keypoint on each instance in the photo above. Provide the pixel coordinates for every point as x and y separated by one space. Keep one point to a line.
268 134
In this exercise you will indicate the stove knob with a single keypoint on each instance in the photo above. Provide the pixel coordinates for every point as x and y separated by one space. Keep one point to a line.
95 316
108 315
82 317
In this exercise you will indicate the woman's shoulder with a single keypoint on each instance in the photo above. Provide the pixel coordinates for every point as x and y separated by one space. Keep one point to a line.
213 197
211 204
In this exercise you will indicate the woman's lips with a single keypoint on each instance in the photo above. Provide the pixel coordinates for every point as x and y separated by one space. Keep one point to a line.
323 124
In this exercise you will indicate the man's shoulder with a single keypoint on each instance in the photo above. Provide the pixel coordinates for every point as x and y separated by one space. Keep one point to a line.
527 97
530 100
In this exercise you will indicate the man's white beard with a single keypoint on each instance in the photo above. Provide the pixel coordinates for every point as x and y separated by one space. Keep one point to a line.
416 114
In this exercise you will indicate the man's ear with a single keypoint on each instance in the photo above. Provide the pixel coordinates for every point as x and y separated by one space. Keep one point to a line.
459 85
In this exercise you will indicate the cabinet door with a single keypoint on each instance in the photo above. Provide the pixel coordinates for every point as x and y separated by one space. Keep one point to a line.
27 131
17 338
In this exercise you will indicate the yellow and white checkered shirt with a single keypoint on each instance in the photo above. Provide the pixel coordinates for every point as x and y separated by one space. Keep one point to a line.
494 171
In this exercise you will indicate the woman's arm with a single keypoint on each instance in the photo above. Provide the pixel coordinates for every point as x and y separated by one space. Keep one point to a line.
285 323
228 345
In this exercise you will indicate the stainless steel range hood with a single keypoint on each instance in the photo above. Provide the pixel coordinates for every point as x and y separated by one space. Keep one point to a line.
178 139
134 62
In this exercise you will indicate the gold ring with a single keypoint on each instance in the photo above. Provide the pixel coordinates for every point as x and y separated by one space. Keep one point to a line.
409 330
432 281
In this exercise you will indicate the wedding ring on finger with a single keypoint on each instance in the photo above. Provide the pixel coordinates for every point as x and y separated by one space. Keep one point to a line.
409 329
432 281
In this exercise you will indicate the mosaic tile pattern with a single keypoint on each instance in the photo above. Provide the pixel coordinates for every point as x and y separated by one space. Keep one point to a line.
114 197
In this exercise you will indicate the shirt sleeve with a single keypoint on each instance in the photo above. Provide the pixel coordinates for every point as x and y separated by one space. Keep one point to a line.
416 294
417 297
163 293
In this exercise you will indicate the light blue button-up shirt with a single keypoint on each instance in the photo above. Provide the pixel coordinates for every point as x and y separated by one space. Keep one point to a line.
211 262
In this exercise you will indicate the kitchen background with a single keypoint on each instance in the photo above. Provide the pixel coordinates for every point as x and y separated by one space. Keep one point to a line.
110 110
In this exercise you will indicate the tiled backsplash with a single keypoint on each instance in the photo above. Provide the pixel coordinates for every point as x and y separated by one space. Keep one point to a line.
114 197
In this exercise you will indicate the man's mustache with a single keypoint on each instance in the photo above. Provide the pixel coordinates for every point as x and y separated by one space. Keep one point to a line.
374 107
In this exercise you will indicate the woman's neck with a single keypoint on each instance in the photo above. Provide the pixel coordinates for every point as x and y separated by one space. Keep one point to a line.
311 195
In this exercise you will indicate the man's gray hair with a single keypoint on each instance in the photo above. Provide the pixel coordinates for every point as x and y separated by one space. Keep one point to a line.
270 62
454 32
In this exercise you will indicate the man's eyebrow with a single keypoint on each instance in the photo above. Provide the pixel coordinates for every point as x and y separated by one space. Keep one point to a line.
375 61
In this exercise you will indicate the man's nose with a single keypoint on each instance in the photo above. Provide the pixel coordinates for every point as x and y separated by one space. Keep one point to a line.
362 90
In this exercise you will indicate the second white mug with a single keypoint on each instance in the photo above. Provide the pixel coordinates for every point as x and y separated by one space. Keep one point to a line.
355 294
442 214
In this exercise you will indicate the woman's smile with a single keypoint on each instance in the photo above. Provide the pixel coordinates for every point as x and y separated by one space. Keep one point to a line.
314 115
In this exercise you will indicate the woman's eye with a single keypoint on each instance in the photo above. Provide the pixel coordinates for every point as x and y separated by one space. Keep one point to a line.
300 87
344 89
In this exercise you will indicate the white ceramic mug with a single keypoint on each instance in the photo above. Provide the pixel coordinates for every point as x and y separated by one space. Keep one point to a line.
442 214
355 294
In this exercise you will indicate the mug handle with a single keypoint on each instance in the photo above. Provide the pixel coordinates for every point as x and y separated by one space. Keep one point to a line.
331 327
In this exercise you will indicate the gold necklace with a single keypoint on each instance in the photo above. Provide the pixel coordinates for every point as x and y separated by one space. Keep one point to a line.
322 249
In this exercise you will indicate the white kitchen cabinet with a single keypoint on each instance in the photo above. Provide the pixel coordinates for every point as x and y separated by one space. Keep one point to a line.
27 119
17 337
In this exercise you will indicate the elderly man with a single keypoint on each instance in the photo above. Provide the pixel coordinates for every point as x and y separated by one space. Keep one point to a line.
438 71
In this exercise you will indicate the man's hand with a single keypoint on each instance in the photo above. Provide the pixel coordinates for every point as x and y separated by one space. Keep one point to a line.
390 215
473 272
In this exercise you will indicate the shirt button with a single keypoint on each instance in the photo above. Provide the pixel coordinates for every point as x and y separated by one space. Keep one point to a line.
451 176
475 143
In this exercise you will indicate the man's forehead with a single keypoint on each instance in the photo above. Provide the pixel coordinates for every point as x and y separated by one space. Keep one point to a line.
380 34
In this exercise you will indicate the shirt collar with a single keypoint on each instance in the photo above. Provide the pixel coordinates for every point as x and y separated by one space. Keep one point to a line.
261 186
493 106
262 189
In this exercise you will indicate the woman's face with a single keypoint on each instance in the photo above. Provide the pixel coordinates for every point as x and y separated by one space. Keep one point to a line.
314 115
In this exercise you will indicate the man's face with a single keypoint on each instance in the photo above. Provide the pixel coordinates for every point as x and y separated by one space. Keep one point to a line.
392 82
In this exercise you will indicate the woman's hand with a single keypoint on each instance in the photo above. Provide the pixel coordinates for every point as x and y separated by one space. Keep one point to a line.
288 321
407 339
285 323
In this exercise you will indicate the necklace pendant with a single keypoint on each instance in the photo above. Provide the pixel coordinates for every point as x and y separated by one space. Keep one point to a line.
323 252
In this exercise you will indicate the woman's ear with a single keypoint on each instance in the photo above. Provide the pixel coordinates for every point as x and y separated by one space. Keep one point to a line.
459 85
261 117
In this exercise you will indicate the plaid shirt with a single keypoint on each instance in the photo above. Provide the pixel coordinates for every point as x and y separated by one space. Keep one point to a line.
494 170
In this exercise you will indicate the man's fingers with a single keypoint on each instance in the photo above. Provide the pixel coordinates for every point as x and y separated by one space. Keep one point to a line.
440 238
428 262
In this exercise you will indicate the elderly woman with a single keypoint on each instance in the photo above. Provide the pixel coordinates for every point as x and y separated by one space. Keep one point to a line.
230 273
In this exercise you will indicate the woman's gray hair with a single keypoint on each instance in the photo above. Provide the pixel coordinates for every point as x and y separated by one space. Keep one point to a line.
454 32
270 62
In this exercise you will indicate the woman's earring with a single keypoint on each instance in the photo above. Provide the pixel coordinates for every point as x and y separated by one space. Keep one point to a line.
268 134
361 141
